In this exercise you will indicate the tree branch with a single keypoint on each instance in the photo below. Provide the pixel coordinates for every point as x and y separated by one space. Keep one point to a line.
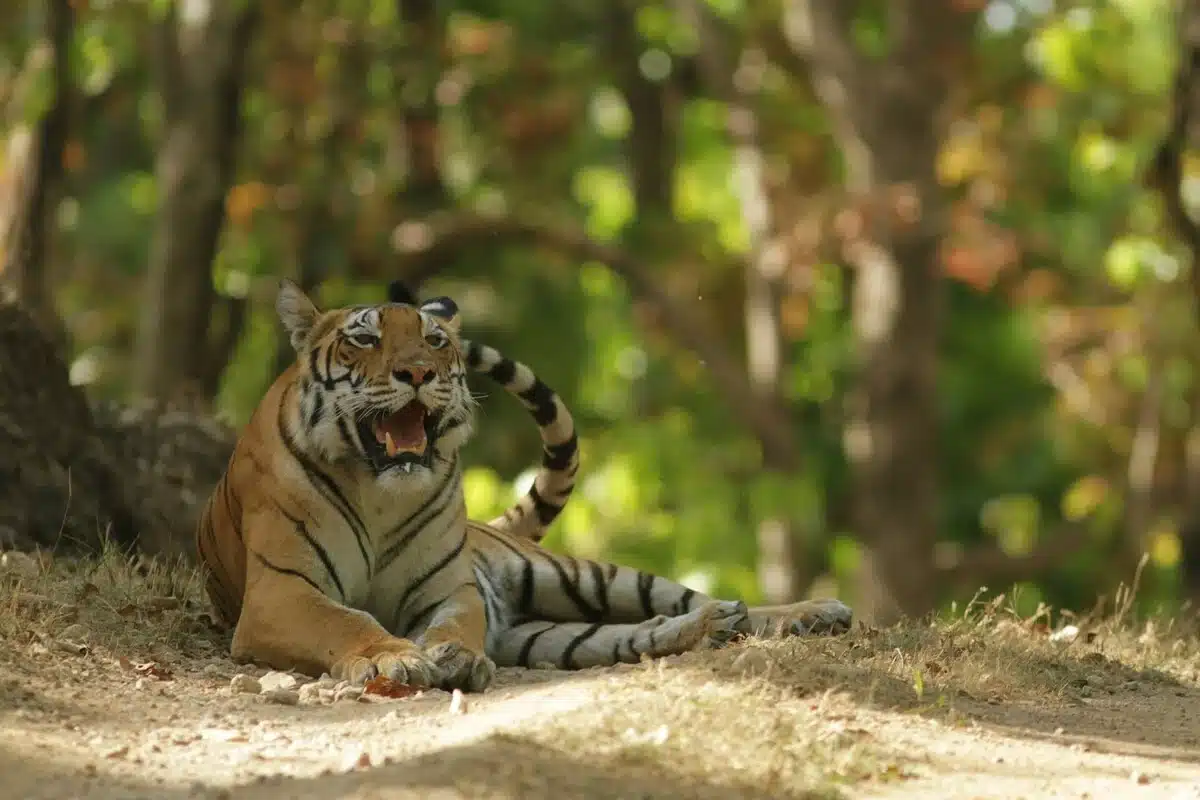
425 243
988 565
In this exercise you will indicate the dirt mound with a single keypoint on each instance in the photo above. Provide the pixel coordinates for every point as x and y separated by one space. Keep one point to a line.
72 475
170 462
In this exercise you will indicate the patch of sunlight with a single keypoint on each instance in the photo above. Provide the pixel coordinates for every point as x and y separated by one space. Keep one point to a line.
845 556
1165 548
606 195
700 580
614 486
481 486
523 482
1053 52
609 114
1122 262
1083 497
580 535
1097 152
596 280
1013 520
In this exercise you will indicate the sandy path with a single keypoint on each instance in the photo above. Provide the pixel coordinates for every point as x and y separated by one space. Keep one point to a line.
91 727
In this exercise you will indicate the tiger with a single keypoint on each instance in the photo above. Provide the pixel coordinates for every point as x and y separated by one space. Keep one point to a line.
337 540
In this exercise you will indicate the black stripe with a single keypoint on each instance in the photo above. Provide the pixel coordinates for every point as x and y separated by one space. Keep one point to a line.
558 456
322 554
546 511
601 588
326 487
286 571
525 603
527 648
446 561
503 371
645 586
588 613
616 652
313 367
474 355
541 397
227 495
568 654
685 599
318 409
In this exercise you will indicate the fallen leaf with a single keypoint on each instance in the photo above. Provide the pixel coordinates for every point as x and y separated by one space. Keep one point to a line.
386 687
153 670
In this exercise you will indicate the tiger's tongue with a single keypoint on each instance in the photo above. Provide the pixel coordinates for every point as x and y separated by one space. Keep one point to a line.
404 431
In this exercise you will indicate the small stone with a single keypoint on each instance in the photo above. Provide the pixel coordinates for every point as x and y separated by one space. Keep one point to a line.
283 697
327 695
212 670
244 684
139 684
356 760
347 692
310 694
1139 777
117 752
458 702
277 680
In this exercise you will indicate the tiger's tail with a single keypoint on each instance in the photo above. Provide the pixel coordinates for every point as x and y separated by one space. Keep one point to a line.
555 479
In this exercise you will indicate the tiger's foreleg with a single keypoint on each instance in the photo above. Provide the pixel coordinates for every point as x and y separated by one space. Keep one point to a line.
289 620
456 641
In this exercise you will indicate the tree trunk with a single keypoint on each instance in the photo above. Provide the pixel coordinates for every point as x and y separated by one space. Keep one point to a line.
885 113
27 241
1166 175
203 56
780 578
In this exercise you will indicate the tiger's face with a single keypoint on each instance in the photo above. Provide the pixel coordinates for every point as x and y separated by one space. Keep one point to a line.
383 384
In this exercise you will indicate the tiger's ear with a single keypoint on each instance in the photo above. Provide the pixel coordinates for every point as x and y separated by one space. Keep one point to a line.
296 312
445 310
398 292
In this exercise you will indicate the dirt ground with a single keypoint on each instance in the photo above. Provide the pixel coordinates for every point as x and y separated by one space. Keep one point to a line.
113 684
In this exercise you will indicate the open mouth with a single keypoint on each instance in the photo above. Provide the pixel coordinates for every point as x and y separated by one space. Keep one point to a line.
399 438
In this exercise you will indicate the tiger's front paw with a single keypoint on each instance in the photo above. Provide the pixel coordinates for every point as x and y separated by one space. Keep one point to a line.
395 658
461 668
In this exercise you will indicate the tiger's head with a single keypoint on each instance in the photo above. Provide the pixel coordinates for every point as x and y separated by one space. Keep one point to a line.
385 384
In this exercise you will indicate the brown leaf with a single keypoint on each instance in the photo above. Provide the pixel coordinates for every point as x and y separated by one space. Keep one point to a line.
153 670
386 687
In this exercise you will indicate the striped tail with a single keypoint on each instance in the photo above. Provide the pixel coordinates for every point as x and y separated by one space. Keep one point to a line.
555 479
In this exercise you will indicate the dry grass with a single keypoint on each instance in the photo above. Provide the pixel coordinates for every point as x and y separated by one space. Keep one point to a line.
136 608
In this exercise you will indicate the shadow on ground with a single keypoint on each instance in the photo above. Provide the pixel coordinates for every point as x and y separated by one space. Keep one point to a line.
507 766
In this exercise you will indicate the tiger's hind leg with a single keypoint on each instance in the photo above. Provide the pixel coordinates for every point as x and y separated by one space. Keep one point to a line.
579 645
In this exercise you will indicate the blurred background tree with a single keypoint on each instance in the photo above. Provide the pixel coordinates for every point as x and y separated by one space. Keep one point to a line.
892 299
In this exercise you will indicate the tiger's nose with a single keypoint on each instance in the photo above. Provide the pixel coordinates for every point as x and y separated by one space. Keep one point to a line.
414 378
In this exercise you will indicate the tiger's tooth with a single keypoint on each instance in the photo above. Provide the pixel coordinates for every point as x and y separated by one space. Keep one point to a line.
389 444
